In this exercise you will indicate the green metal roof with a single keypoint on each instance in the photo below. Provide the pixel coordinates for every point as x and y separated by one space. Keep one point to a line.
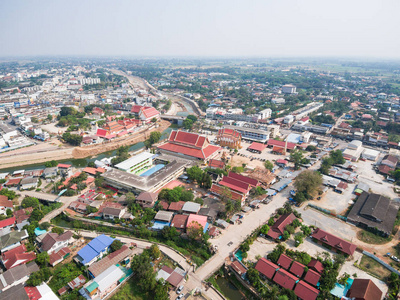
91 287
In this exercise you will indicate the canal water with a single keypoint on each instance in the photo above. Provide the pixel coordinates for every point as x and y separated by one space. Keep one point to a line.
83 161
230 291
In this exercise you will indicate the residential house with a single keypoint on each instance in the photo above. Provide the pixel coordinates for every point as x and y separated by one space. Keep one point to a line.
147 114
364 289
277 230
111 259
58 256
28 183
102 285
266 268
16 257
147 199
94 250
179 222
50 172
13 239
5 204
52 242
191 207
335 243
305 291
16 276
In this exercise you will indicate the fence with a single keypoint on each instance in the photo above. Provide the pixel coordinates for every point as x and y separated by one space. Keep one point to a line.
328 212
381 262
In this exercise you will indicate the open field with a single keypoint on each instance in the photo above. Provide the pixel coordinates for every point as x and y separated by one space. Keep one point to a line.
374 267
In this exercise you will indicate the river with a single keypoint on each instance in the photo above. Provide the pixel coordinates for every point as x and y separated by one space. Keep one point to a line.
83 161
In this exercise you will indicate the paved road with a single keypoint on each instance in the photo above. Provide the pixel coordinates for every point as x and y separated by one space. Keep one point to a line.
66 201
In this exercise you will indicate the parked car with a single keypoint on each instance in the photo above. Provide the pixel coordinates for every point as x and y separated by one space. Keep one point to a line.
179 289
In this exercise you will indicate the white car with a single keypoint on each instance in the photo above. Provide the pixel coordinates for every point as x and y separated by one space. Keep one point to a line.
179 290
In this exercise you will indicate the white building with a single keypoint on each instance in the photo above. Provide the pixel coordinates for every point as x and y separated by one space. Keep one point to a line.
289 89
288 119
278 100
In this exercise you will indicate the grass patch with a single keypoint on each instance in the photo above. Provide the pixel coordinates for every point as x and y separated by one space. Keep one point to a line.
129 291
371 238
373 267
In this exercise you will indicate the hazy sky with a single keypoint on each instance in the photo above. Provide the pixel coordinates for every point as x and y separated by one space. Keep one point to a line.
358 28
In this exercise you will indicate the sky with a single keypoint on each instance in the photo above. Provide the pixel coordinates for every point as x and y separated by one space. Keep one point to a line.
202 28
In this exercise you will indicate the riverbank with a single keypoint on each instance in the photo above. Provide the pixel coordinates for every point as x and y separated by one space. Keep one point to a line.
30 158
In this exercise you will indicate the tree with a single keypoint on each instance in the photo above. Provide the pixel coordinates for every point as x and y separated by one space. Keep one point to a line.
42 259
187 124
308 182
286 235
91 209
296 157
36 278
298 239
253 275
57 230
153 120
49 164
8 193
49 118
154 252
36 215
44 225
199 201
194 231
99 181
170 233
269 165
186 196
264 229
30 202
337 157
195 173
66 111
116 245
206 181
9 212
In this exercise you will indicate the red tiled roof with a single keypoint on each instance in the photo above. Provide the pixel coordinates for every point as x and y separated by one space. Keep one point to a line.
282 161
281 144
297 269
101 133
7 222
316 265
235 185
238 267
13 181
179 221
285 279
90 170
22 214
312 277
32 292
176 206
245 179
266 267
150 112
216 189
278 228
364 289
17 256
4 202
11 253
305 291
214 163
63 166
190 151
164 205
256 146
334 241
284 261
385 169
136 108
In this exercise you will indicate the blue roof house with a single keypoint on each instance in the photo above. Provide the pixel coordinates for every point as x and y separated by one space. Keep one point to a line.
94 250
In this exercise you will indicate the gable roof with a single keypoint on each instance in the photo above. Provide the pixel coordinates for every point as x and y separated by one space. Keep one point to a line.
285 279
305 291
316 265
176 206
111 259
7 222
266 267
297 269
94 247
256 146
364 289
215 163
312 277
334 241
234 184
202 220
179 221
284 261
5 202
216 189
245 179
51 238
279 226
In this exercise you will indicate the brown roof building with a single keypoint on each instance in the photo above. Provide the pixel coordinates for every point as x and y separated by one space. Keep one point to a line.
179 222
285 279
147 199
285 261
364 289
278 228
337 244
305 291
374 211
266 268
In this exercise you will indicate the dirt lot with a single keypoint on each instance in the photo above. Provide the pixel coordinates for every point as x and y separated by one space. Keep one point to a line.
335 202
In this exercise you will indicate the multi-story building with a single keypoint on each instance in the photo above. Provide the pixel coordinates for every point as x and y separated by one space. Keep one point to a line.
250 133
288 89
229 138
